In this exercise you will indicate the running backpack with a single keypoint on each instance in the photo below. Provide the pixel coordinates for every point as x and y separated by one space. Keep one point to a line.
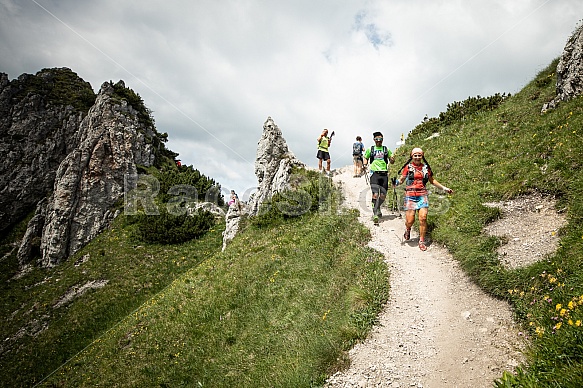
385 153
411 174
357 148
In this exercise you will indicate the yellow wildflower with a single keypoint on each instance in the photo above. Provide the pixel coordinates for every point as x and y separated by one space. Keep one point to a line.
558 326
563 312
559 306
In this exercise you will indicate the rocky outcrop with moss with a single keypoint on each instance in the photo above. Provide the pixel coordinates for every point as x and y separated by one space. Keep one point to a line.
569 70
273 165
72 156
40 117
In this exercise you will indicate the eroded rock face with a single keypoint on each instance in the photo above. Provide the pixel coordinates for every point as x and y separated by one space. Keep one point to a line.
89 180
569 70
273 165
232 218
37 131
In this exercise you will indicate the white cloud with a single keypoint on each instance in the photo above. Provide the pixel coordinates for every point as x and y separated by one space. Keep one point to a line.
213 71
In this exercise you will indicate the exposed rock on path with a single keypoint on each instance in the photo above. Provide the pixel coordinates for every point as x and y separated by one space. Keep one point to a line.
438 329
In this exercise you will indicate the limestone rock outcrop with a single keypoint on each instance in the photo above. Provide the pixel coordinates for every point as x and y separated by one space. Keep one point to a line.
232 218
569 70
273 165
38 129
103 150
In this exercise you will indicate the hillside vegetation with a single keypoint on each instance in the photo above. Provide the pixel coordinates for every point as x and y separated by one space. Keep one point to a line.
291 294
280 307
501 153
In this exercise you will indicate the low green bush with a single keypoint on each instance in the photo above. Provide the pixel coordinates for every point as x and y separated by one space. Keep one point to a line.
167 228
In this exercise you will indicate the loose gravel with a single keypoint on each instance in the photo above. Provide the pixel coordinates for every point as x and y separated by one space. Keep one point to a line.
438 328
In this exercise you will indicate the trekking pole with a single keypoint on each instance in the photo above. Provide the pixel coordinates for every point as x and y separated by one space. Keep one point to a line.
379 198
395 198
366 177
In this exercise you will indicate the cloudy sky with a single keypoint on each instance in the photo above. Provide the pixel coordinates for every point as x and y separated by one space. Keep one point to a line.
212 71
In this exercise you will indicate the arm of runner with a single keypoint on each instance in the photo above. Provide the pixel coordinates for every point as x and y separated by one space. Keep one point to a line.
435 183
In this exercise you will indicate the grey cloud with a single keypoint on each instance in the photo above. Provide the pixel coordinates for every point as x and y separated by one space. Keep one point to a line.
213 71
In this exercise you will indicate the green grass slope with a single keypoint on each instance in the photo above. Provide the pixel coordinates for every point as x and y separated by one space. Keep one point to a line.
291 294
280 307
503 153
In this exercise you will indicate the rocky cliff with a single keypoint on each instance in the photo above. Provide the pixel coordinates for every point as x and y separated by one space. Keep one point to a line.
39 127
70 163
569 70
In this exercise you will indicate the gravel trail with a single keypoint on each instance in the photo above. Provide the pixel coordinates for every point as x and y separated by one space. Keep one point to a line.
438 329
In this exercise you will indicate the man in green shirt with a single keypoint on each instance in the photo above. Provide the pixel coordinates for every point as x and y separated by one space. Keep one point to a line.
379 157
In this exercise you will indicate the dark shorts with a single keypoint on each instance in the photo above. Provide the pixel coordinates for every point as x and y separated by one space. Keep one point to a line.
357 158
379 181
416 202
324 155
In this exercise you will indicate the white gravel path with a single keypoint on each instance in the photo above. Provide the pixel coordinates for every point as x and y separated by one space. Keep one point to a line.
438 329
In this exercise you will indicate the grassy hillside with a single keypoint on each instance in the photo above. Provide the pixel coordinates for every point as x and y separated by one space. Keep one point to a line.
291 294
503 153
280 307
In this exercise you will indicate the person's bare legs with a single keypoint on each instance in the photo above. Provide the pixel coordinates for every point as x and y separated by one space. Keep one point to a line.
422 223
409 221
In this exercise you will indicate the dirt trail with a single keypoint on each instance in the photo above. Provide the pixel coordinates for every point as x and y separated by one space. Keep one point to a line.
438 329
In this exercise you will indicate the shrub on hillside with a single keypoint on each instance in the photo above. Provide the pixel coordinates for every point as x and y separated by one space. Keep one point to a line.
166 228
460 111
308 192
201 187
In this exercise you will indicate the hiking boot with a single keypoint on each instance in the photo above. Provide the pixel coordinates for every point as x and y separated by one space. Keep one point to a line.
422 245
375 220
407 234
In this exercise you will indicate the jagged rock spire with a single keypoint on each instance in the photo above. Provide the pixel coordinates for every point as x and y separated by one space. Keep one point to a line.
273 165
